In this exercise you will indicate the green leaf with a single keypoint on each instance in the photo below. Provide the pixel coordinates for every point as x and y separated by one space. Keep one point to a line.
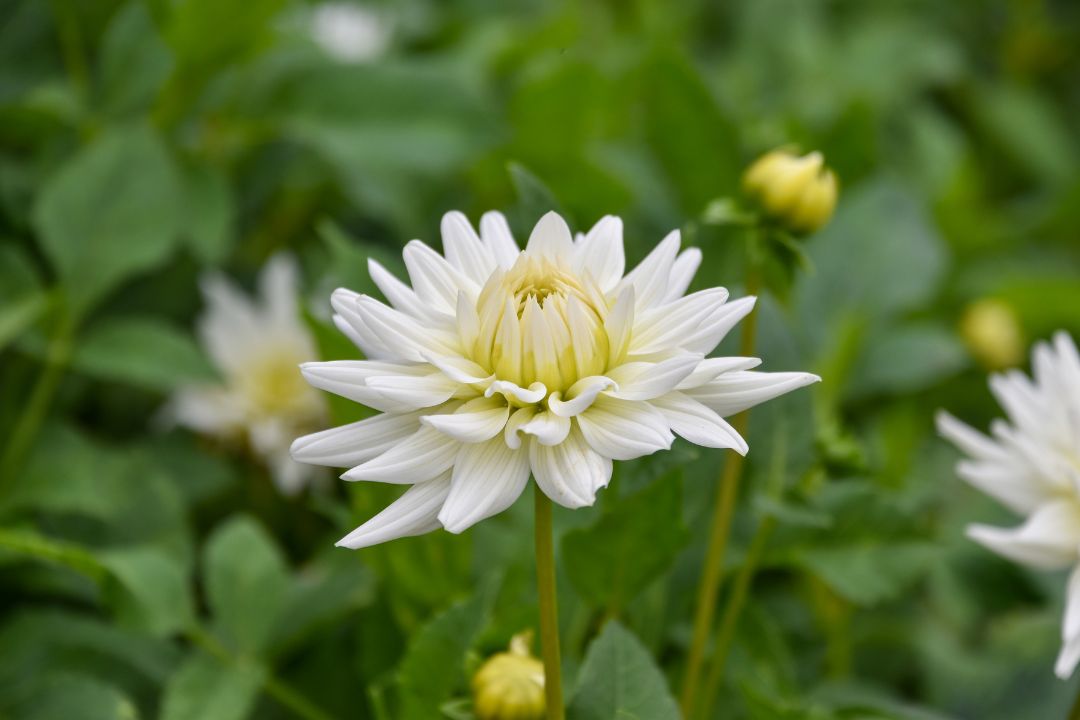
71 696
210 213
112 211
207 34
906 360
620 680
205 689
18 315
434 661
154 591
134 61
246 583
142 352
31 544
870 573
636 540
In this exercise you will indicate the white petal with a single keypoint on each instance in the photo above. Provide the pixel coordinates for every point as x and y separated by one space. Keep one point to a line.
547 427
970 441
435 280
520 418
650 277
734 392
278 282
414 513
697 423
468 321
422 456
488 477
672 325
351 323
716 326
580 396
682 273
478 420
1012 486
600 253
645 381
1049 539
624 430
400 295
619 326
712 368
1070 628
230 325
413 393
463 248
356 442
460 369
571 472
402 335
495 233
381 385
533 394
550 238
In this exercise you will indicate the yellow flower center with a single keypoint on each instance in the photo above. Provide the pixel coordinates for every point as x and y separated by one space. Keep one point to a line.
274 386
541 322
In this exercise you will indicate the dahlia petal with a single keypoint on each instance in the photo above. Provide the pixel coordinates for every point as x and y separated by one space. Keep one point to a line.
459 369
580 396
571 472
1049 539
734 392
712 368
547 427
351 323
496 235
600 253
414 513
477 420
671 325
682 273
422 456
1011 486
717 325
624 430
463 248
434 279
357 442
693 421
645 380
381 385
487 478
512 392
968 440
401 335
407 391
468 321
551 238
278 281
619 325
400 296
519 418
650 278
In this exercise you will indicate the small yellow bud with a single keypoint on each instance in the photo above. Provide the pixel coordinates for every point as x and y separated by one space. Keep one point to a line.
510 685
992 333
797 192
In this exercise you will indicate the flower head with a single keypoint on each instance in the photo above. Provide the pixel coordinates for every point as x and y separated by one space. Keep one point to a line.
1031 464
797 192
499 363
510 685
991 331
256 345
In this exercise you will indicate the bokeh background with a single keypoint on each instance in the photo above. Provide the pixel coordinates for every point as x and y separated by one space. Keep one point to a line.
146 572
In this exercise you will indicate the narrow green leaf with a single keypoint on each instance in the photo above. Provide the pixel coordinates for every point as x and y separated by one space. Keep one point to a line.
205 689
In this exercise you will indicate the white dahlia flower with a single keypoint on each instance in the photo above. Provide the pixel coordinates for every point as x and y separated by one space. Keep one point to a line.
349 32
256 345
1031 465
499 363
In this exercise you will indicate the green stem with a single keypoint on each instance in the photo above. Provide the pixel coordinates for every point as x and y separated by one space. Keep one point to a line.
1074 714
732 610
723 510
549 612
284 693
37 407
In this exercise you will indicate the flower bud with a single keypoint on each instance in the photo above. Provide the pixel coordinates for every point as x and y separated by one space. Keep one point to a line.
991 331
799 193
510 685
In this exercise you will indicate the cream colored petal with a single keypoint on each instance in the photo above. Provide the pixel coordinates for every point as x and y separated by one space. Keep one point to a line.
414 513
551 239
496 235
1049 539
624 430
736 391
476 421
487 478
356 442
645 380
600 253
571 472
422 456
463 248
698 424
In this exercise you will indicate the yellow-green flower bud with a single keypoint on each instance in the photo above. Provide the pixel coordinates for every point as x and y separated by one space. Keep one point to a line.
991 331
799 193
510 685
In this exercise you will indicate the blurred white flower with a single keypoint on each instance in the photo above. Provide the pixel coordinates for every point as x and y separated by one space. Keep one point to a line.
499 363
256 345
349 32
1031 464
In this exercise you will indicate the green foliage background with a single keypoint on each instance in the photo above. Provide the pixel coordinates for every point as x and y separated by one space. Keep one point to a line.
153 574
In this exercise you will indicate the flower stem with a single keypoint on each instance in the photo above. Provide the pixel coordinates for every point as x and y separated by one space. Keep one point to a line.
549 612
721 525
1074 714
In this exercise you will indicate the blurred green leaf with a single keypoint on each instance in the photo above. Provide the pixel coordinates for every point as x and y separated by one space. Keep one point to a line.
631 544
210 211
207 34
155 592
18 315
205 689
534 198
134 61
867 574
112 211
907 359
246 583
142 352
433 665
71 696
619 679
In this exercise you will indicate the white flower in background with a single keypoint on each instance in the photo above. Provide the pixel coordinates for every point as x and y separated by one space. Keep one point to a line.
349 32
497 364
1031 464
256 345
